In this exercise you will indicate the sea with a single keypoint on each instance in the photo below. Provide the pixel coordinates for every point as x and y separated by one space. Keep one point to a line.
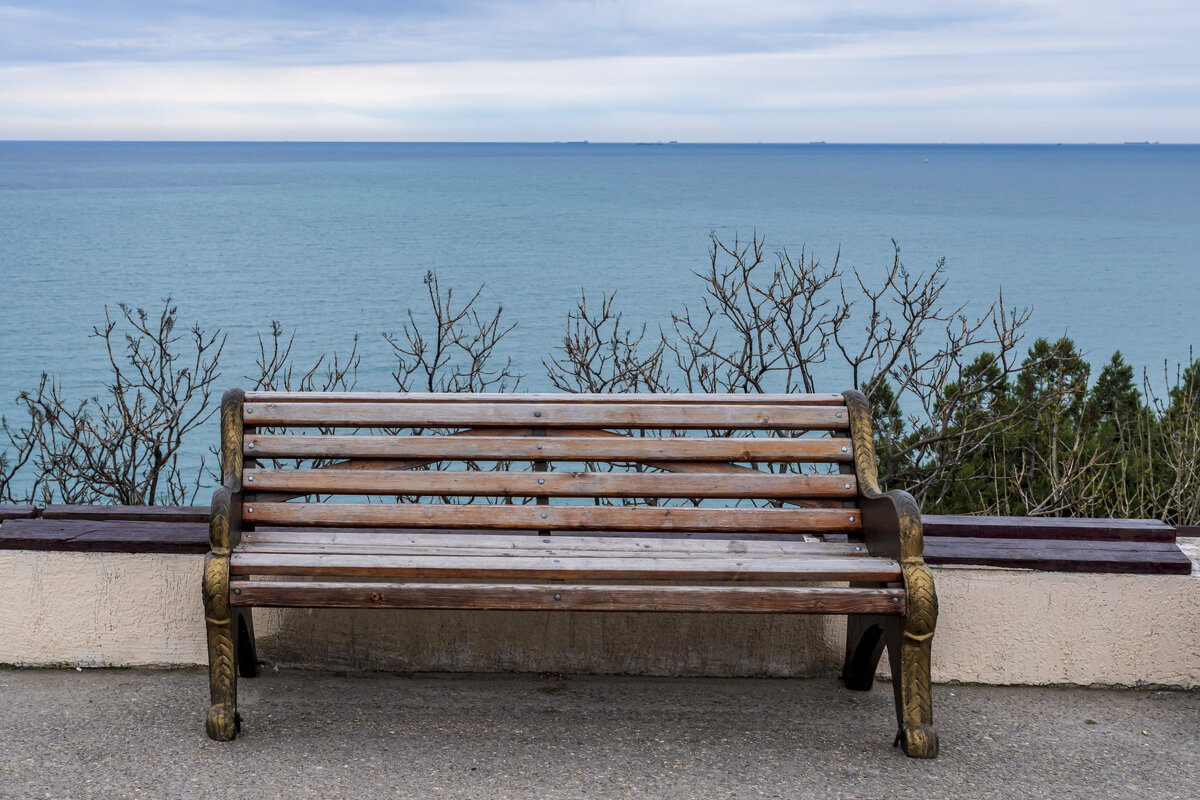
333 240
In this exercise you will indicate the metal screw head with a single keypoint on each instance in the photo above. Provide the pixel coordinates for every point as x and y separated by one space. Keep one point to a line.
249 409
838 415
544 516
558 597
846 486
249 510
250 446
537 413
852 519
845 449
539 447
895 599
249 479
858 549
541 480
237 591
547 541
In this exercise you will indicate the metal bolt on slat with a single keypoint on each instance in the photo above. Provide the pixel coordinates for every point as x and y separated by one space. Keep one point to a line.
250 479
846 486
539 447
541 480
852 519
251 446
543 516
558 597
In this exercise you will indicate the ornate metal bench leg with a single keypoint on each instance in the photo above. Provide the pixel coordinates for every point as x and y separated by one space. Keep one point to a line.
247 656
222 723
909 642
864 646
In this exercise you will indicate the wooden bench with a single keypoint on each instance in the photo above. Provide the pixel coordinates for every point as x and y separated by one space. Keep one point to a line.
567 503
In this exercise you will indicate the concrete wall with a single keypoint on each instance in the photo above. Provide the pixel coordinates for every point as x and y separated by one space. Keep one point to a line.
996 626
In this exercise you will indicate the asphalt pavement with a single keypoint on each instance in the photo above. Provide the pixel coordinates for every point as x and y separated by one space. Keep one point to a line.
136 733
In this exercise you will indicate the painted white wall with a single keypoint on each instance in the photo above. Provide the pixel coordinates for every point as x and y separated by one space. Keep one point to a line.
996 626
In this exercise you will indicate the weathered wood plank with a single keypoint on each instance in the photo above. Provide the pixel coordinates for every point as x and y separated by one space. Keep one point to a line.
414 515
17 512
104 536
139 513
551 448
550 484
1147 558
770 545
570 567
740 599
512 397
542 546
548 415
1060 528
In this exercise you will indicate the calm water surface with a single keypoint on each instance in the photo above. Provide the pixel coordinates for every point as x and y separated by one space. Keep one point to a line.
333 239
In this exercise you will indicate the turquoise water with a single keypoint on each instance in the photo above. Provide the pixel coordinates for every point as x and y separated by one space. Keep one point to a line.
333 239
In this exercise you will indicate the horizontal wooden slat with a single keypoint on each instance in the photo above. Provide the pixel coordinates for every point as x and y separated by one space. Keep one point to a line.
568 567
363 543
411 541
513 397
549 415
738 599
473 483
413 515
550 448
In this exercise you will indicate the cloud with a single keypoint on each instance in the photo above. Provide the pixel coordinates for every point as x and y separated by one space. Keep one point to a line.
859 71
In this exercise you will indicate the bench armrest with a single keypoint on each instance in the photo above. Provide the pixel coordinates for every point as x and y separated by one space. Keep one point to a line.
225 520
891 525
891 521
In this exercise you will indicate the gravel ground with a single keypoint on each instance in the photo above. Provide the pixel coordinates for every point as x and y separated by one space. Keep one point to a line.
140 733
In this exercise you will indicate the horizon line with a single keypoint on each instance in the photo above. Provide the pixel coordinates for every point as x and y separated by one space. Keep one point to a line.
580 142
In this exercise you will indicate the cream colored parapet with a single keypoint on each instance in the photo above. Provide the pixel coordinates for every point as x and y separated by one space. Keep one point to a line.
996 626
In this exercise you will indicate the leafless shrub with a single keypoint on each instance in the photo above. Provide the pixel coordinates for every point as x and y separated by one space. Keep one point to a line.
771 324
123 446
934 375
765 325
600 355
454 349
276 370
456 355
24 443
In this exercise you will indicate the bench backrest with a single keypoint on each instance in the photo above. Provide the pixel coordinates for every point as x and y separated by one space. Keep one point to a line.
749 464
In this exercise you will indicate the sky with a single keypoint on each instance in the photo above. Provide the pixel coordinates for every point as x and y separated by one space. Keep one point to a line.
601 70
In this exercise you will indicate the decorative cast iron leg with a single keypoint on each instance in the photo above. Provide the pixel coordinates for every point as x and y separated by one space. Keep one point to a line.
222 722
909 643
864 646
247 656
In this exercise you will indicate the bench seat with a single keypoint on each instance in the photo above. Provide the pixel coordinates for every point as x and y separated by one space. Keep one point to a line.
586 503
